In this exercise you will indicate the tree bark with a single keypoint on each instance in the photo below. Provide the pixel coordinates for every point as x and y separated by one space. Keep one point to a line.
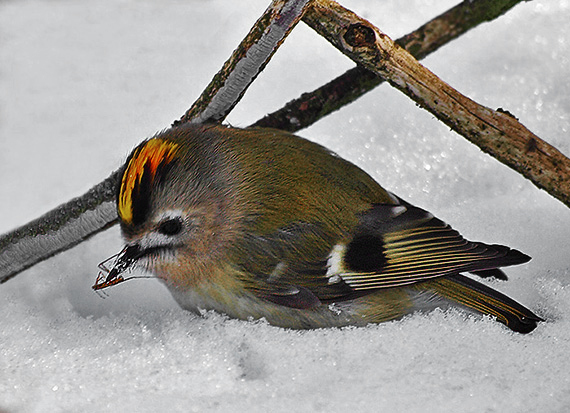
496 132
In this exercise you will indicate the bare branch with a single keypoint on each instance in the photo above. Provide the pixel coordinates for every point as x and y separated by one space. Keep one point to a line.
59 230
312 106
452 24
496 132
246 62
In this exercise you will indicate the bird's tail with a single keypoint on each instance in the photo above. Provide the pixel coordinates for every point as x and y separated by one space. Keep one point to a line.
482 299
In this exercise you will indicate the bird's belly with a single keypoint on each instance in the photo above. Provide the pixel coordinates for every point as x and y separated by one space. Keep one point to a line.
378 307
246 306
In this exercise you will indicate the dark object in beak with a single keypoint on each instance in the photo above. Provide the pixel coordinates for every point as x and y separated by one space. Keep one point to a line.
123 261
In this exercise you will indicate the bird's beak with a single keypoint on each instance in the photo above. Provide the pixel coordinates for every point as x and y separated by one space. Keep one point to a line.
126 259
123 261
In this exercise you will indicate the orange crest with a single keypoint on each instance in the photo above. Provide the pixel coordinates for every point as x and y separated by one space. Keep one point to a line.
148 160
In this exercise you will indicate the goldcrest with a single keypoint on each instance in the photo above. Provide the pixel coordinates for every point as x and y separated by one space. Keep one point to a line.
260 223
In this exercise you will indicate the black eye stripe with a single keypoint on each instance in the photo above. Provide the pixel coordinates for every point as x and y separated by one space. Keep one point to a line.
171 226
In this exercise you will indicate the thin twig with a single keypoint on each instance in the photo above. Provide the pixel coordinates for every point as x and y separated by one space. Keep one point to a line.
497 133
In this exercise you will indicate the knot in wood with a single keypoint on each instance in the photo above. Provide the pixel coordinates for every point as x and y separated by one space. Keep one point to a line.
359 35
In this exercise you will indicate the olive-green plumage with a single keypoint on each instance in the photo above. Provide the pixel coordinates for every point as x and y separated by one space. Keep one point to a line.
261 223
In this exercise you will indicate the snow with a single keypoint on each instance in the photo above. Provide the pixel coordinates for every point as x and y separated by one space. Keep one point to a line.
81 83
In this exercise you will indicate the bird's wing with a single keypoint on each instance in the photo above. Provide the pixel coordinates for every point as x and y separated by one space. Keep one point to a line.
400 245
393 245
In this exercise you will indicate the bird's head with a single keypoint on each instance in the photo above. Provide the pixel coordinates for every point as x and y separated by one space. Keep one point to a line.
172 207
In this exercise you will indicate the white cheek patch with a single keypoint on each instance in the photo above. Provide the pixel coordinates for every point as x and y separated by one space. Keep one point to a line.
161 244
335 263
153 239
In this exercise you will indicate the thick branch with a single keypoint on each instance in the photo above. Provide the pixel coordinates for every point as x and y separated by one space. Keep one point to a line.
310 107
495 132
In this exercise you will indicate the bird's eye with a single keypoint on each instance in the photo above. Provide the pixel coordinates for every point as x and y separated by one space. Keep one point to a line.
170 226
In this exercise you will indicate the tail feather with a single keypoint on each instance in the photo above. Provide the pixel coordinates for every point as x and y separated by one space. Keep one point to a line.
485 300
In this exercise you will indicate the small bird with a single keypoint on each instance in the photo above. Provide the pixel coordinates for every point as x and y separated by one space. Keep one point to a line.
260 223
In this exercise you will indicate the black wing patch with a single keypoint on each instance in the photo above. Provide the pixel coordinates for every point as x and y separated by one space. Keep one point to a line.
366 253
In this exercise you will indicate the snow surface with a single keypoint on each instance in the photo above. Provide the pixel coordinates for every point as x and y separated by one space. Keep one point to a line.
81 83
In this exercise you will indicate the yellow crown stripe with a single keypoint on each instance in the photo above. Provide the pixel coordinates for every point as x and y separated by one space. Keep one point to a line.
146 159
